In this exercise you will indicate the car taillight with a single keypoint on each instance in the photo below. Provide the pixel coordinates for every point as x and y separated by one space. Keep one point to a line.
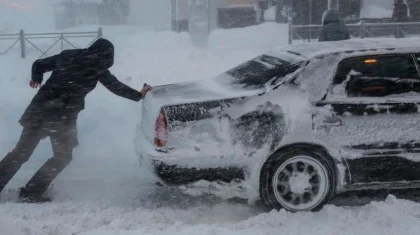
161 130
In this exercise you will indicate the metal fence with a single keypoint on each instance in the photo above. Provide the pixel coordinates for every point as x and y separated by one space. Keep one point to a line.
29 39
309 33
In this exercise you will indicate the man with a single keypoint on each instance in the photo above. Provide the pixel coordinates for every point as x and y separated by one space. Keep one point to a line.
333 28
54 109
400 13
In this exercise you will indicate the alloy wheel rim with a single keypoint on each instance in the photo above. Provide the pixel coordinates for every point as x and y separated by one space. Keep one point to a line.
301 183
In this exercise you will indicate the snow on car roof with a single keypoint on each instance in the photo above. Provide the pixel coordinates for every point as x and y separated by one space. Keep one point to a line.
316 80
311 50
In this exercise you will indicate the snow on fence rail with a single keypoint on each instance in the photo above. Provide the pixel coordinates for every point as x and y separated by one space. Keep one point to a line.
24 39
310 33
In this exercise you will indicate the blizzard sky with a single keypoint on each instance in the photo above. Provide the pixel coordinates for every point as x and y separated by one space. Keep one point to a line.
32 15
38 15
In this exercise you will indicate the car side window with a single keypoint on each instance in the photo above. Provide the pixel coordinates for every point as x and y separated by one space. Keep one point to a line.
377 76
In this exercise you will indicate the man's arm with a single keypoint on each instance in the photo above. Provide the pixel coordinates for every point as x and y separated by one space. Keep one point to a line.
41 66
120 89
347 36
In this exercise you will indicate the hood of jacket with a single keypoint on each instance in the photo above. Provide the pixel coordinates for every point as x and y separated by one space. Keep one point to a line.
330 16
104 49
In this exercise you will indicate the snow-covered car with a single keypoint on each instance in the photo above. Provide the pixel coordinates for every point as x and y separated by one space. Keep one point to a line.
296 125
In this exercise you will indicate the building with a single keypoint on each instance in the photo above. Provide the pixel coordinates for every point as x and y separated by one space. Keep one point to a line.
242 13
71 13
180 15
352 11
151 14
221 13
236 13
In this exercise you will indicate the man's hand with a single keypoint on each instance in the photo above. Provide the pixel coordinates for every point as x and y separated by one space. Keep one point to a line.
34 84
146 88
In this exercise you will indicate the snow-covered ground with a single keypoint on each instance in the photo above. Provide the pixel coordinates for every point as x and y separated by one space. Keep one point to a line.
104 191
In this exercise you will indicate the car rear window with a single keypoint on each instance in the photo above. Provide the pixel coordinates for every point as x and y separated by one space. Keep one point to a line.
377 76
378 66
257 72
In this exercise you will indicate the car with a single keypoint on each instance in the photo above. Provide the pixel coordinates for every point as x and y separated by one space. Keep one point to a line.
297 125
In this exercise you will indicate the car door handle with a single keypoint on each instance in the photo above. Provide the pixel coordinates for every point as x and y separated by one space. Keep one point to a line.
333 121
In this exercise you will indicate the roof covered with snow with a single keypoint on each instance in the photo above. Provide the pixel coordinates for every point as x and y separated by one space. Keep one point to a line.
311 50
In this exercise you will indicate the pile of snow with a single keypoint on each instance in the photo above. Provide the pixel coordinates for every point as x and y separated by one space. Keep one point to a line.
9 228
104 191
390 217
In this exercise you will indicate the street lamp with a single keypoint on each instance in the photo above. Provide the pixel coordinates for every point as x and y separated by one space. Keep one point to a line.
310 20
310 12
334 4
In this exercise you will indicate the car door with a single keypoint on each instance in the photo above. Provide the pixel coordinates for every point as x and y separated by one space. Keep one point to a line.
371 112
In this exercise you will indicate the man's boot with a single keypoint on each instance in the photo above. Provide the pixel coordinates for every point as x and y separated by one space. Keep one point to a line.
34 191
27 197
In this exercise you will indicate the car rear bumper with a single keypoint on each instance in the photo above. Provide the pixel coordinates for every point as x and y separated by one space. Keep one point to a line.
175 169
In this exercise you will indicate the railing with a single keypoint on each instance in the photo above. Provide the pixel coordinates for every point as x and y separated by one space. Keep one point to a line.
28 38
308 33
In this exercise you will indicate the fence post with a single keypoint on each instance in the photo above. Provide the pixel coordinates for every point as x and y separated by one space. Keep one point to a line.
362 29
62 42
22 44
100 33
290 32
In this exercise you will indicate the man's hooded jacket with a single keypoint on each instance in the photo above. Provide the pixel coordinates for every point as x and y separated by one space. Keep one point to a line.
334 29
75 73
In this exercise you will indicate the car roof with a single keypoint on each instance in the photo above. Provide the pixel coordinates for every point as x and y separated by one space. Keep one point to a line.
361 46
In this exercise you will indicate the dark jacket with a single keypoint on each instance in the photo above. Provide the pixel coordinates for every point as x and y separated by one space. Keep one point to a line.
75 73
400 13
333 28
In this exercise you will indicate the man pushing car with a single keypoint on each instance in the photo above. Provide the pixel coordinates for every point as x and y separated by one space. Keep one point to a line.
54 110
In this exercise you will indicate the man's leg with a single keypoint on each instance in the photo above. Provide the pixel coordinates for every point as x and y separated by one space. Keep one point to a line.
62 143
26 145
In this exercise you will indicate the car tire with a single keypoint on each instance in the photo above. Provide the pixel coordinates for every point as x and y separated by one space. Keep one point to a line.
298 180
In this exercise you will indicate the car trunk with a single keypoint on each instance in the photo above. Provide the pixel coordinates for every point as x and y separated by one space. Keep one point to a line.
189 115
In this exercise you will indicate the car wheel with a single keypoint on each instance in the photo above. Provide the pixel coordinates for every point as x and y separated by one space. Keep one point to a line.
298 180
